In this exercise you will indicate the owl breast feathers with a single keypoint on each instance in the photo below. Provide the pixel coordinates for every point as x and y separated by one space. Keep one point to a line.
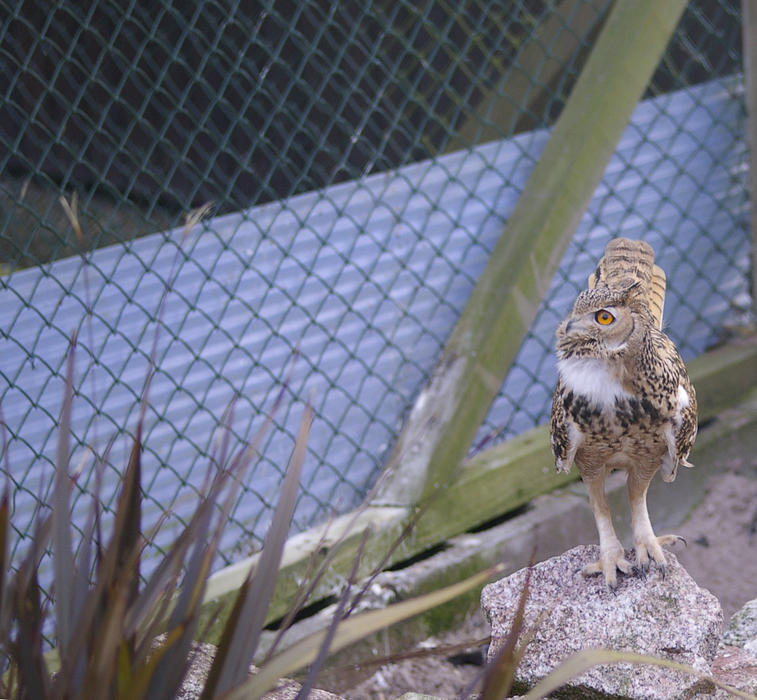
623 398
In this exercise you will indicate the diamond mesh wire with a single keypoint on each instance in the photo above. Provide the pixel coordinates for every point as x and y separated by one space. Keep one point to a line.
362 159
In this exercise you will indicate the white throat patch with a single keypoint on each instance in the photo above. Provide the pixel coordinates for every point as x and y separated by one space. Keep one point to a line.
591 378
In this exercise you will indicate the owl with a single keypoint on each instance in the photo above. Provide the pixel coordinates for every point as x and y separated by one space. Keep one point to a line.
623 399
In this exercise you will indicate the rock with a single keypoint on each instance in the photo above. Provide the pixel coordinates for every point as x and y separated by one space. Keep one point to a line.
199 667
737 668
201 661
742 629
670 618
289 690
736 662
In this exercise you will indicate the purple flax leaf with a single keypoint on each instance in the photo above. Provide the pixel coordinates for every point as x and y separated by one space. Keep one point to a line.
252 615
168 674
63 562
501 672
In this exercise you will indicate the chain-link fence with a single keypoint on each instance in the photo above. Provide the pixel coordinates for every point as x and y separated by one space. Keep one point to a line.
362 159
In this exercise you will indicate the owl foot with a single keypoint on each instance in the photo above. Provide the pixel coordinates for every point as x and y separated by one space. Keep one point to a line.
609 562
650 548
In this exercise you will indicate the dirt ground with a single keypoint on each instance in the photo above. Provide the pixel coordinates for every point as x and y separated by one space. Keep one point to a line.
721 556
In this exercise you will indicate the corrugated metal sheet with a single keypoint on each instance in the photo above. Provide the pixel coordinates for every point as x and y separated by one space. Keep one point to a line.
350 292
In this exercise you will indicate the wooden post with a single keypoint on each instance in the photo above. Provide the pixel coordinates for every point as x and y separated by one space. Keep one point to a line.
488 334
526 84
749 36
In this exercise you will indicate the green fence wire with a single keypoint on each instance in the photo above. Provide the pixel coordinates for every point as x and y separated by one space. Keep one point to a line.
286 116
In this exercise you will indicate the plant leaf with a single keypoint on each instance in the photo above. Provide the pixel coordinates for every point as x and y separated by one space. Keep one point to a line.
224 643
130 503
4 589
168 674
501 672
351 630
139 679
32 669
63 562
249 623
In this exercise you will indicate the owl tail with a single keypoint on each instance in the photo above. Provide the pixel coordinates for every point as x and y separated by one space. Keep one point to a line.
656 294
626 263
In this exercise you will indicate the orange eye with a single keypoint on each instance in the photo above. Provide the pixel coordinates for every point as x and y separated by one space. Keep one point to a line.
603 317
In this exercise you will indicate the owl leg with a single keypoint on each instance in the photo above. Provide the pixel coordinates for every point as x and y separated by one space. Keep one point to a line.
610 550
647 544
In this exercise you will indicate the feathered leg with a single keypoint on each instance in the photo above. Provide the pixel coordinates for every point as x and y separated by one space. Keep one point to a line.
647 544
610 550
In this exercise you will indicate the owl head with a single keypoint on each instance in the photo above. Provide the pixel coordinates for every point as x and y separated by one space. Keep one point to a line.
604 322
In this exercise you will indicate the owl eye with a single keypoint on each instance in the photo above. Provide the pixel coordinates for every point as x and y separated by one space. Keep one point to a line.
603 317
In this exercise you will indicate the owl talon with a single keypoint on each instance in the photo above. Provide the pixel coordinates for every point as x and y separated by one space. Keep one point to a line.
608 565
651 549
670 540
640 571
592 569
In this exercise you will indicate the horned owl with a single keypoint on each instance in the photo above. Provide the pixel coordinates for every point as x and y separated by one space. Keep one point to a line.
623 398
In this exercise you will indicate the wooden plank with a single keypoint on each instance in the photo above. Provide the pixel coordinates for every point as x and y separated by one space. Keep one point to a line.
478 354
723 375
303 555
490 484
749 36
511 474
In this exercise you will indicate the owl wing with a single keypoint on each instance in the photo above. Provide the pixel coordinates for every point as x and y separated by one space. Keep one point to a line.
563 435
687 431
686 418
626 263
683 431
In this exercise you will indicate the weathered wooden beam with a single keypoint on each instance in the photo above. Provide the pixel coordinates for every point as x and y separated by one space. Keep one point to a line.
512 473
749 36
489 332
528 81
723 375
490 484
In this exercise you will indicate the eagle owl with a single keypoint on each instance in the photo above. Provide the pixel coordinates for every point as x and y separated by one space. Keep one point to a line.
623 398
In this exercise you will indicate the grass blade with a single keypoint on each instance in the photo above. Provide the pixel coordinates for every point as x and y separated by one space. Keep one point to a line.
138 682
351 630
339 614
4 530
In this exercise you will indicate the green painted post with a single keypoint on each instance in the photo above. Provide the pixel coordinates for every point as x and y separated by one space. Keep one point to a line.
749 34
477 356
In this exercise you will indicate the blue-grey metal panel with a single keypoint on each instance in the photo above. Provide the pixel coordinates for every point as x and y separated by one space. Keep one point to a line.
347 295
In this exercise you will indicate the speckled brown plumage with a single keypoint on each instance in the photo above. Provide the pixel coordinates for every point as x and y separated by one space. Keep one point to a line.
623 398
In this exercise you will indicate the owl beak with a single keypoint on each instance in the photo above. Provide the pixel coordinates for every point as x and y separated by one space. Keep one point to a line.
571 324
